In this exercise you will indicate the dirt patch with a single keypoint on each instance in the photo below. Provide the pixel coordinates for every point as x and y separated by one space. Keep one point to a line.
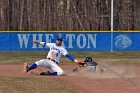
109 71
115 79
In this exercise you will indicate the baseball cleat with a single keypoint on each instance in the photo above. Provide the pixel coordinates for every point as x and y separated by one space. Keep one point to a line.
44 73
25 67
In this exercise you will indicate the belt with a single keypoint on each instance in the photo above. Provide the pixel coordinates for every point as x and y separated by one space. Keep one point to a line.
53 60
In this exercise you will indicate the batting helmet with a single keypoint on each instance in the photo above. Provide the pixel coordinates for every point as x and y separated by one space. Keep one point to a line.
88 59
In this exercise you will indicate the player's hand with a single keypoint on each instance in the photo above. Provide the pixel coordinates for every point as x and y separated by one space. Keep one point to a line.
81 64
75 60
33 42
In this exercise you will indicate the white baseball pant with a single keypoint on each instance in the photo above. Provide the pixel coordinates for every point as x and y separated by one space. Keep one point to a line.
51 65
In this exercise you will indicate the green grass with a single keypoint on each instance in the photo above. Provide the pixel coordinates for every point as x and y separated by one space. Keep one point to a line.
34 85
30 57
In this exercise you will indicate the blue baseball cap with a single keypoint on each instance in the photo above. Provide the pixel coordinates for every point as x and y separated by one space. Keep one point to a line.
59 38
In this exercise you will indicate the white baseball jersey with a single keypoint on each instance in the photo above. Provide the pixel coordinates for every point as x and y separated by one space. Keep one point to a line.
56 50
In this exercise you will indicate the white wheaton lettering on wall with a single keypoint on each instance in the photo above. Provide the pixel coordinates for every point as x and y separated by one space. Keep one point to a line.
71 38
81 41
23 40
92 39
86 39
71 41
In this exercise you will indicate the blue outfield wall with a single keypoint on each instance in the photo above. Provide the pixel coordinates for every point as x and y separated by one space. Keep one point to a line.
73 41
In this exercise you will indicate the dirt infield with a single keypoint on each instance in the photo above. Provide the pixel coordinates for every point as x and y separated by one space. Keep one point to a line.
115 79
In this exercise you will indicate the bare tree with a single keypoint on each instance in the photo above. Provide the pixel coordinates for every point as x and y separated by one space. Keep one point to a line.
68 15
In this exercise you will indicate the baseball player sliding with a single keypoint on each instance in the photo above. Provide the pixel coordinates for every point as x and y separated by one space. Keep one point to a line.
53 58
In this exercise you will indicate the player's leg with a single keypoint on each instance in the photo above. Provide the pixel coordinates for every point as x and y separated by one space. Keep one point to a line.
55 69
34 65
57 72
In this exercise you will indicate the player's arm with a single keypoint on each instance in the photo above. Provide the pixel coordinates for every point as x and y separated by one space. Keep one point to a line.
42 43
80 64
69 56
37 42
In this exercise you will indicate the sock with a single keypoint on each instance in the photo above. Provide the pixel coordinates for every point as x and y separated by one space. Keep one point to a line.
52 73
33 66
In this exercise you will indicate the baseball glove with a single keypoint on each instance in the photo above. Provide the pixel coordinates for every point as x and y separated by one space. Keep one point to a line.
81 64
